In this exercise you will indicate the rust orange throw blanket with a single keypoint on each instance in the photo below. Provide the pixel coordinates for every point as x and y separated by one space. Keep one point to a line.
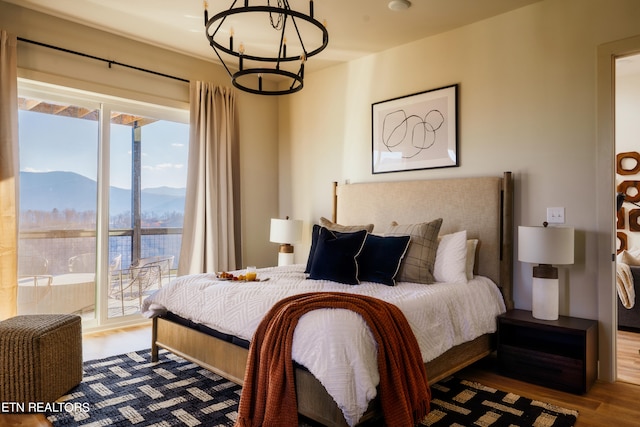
268 394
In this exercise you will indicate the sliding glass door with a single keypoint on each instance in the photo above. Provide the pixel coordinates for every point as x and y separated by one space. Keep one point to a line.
102 187
58 195
147 190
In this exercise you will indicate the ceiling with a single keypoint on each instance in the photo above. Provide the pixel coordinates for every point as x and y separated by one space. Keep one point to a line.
356 27
63 109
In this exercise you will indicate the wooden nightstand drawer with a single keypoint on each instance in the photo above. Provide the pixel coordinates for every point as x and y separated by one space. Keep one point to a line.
561 354
546 369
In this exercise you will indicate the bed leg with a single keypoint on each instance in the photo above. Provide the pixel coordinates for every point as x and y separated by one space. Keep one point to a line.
154 336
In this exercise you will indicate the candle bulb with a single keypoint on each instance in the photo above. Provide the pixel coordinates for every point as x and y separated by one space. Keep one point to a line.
311 8
241 50
284 47
231 39
260 82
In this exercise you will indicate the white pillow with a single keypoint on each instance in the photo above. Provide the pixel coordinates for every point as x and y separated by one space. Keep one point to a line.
451 258
631 257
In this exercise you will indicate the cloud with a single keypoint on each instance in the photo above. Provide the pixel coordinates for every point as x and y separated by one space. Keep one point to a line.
34 170
164 166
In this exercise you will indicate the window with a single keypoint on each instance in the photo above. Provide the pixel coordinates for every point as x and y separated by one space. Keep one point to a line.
70 154
148 181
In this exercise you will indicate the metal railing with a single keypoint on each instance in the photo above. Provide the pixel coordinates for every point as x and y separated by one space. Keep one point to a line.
72 252
58 246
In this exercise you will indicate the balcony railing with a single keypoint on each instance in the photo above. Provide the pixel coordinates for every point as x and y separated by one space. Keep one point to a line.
66 258
60 245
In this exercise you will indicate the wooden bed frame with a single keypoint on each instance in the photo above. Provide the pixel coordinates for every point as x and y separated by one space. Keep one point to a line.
482 206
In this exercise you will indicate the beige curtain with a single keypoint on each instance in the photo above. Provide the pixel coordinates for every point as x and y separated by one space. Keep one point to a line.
8 176
210 229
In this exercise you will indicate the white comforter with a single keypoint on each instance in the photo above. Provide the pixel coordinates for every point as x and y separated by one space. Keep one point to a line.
335 345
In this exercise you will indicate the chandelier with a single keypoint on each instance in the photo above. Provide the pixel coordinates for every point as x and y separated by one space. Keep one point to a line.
277 49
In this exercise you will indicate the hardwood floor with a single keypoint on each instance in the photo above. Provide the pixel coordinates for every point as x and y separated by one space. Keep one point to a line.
606 404
99 345
629 357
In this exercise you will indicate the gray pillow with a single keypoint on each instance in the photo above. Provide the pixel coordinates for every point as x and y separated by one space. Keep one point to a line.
344 228
417 264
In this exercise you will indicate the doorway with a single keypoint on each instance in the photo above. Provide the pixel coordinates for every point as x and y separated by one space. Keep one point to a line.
627 179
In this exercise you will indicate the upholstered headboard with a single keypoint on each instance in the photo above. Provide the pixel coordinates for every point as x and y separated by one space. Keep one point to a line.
483 206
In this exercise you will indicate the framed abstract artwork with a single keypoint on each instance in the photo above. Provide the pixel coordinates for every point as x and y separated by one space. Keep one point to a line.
418 131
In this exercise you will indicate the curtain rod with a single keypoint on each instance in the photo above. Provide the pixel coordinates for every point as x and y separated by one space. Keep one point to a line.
97 58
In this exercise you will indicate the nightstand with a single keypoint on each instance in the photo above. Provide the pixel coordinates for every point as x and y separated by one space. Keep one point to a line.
560 354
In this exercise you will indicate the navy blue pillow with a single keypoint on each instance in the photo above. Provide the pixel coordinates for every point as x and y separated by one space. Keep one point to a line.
314 241
379 260
335 255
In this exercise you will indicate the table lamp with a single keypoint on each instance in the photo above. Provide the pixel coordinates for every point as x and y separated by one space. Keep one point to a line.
285 231
545 246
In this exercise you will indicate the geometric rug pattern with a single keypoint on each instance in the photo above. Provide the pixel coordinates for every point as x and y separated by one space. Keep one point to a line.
456 402
129 390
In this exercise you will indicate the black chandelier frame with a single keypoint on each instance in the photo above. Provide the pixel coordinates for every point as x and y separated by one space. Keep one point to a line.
285 13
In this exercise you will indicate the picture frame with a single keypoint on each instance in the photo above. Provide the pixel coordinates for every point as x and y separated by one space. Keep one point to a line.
417 131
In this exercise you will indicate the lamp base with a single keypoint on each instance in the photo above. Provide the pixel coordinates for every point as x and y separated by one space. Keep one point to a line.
285 254
545 291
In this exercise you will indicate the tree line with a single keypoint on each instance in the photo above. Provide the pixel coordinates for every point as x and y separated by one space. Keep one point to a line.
70 219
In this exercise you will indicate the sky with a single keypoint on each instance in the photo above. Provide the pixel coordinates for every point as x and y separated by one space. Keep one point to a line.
59 143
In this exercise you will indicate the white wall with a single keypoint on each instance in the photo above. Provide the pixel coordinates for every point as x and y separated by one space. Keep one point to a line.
258 116
528 104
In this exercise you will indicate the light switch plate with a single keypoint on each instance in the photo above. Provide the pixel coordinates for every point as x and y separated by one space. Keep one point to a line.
555 215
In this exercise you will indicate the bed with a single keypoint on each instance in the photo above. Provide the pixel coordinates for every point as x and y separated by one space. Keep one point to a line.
481 206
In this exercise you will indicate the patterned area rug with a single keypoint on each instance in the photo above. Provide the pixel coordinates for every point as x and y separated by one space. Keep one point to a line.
456 402
129 390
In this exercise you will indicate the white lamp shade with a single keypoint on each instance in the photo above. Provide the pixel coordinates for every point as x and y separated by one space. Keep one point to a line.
545 245
285 230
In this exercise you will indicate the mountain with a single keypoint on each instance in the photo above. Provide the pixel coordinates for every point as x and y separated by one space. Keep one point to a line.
45 191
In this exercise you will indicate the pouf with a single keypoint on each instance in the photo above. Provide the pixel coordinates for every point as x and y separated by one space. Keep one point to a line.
40 357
